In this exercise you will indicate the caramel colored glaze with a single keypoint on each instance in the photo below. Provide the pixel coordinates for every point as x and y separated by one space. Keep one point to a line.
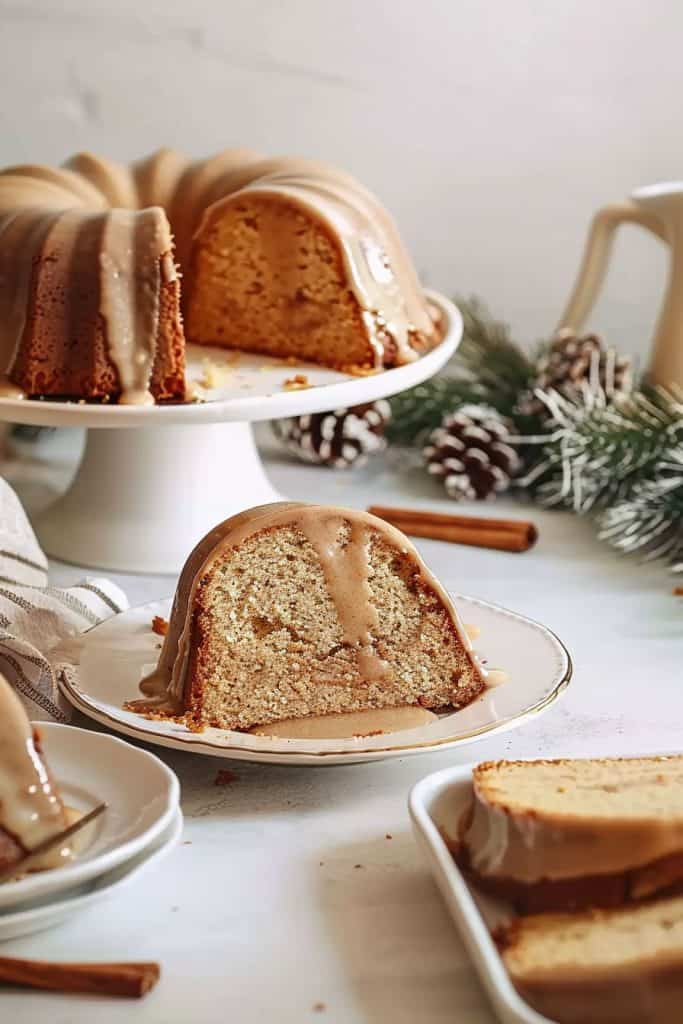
379 271
354 724
57 856
31 810
136 256
134 246
606 891
345 573
529 849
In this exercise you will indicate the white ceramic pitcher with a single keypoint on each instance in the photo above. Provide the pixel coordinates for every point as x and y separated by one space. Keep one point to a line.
659 208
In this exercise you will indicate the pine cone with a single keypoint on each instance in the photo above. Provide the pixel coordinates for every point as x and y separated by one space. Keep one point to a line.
339 439
473 452
572 360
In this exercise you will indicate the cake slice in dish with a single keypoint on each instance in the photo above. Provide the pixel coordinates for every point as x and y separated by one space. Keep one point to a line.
291 610
550 835
31 808
622 966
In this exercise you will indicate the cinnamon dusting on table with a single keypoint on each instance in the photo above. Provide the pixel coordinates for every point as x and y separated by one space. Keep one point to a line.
159 625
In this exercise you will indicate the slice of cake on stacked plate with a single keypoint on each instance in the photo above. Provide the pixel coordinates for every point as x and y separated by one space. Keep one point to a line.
31 808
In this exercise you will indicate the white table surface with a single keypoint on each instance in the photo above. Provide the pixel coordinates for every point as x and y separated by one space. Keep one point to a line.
287 892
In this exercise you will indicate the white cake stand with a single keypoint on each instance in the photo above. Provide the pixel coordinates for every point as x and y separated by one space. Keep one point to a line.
142 498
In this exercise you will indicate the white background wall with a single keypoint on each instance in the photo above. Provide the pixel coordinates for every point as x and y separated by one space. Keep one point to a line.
491 129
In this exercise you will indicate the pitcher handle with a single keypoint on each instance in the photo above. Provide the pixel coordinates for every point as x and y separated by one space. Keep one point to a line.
597 253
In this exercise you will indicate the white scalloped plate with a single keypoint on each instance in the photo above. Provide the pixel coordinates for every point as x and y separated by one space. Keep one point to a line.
103 671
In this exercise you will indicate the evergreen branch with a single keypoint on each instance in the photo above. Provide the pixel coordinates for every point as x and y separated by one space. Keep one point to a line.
488 368
650 521
598 449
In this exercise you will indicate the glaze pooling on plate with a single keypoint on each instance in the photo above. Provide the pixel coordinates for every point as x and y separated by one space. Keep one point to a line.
114 656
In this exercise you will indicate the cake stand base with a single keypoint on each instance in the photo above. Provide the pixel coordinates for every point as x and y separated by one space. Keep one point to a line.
142 499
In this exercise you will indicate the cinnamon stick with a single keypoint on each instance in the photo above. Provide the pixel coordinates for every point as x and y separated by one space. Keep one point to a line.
132 979
500 534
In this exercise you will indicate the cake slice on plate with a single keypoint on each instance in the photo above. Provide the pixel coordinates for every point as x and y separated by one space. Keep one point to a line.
620 966
290 610
31 809
563 834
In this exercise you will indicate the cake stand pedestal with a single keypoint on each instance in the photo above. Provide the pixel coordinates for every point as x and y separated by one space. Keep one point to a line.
153 480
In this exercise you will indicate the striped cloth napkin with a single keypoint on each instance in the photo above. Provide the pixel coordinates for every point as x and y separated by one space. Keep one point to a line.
35 617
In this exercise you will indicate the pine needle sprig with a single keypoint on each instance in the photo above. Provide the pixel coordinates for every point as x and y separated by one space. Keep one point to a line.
650 520
489 356
488 368
598 448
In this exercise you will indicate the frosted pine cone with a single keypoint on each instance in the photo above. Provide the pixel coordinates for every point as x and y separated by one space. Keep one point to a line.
473 453
571 361
339 439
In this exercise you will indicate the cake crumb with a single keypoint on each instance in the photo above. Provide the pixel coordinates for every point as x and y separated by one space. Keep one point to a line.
388 836
358 865
215 375
319 1007
224 777
299 382
360 371
159 625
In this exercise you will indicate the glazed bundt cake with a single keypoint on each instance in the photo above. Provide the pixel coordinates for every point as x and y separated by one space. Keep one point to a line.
287 257
291 610
31 809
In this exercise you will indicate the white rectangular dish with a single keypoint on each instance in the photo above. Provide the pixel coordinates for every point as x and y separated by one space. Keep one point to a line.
437 803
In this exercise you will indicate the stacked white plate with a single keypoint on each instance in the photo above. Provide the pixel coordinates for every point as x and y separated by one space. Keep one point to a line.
141 823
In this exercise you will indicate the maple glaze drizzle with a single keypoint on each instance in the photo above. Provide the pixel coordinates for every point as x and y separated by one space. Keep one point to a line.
30 808
344 561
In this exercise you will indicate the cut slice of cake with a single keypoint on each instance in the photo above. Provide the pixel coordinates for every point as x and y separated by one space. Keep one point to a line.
571 833
620 966
291 610
31 809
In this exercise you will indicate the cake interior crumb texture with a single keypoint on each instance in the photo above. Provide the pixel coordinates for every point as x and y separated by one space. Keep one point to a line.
596 940
268 643
621 788
269 277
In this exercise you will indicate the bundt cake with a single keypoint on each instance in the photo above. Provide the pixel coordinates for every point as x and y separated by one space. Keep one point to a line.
31 809
291 610
287 257
556 835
